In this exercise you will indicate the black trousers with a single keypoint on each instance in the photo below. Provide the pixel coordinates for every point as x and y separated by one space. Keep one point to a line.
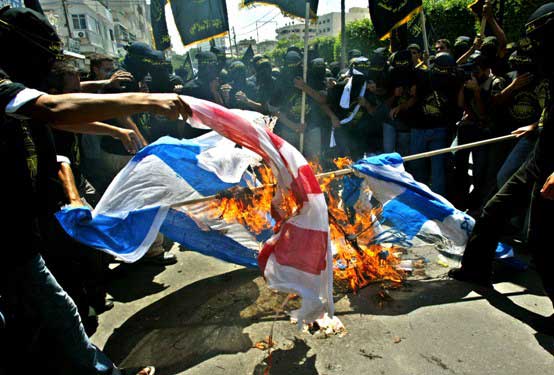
513 199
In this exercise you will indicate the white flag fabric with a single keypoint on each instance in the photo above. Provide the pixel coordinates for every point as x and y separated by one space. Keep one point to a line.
141 201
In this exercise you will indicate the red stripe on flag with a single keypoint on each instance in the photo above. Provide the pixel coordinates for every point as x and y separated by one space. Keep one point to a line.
303 249
230 125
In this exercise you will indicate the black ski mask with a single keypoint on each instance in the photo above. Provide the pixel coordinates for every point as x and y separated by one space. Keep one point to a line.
30 45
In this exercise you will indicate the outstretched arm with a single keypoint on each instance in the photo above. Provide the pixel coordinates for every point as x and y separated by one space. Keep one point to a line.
84 108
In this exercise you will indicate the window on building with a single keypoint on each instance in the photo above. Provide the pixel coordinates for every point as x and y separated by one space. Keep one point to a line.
79 21
111 35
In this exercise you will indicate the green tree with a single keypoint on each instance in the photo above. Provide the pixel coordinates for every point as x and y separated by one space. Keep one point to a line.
325 47
360 35
279 51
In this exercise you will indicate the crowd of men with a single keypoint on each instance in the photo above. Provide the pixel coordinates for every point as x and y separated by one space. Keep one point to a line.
405 102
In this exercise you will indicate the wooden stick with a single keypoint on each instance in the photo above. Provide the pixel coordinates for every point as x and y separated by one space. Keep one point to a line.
347 171
305 74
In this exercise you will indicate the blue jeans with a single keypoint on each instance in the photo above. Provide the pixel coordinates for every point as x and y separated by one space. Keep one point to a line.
395 141
516 158
59 318
423 140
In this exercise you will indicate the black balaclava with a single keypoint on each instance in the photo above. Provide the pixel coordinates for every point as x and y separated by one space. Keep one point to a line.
401 68
263 72
30 46
292 67
316 74
353 53
539 29
335 68
160 69
461 45
138 61
443 71
221 58
208 66
237 75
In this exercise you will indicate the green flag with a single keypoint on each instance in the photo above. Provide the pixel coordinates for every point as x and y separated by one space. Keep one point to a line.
295 8
159 26
200 20
387 15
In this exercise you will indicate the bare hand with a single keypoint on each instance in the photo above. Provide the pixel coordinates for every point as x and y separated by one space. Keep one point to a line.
214 86
522 81
394 112
170 106
299 83
524 130
472 84
130 140
335 122
547 190
241 97
76 203
120 77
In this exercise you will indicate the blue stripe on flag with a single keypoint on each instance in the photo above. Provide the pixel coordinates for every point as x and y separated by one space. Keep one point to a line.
408 212
120 235
181 156
394 159
181 228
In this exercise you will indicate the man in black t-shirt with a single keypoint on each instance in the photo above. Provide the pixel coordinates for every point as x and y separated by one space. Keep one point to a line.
535 177
401 102
438 92
28 147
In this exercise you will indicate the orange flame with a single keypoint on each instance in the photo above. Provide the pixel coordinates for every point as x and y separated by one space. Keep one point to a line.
357 262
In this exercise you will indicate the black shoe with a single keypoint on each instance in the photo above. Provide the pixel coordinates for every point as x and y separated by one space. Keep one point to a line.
100 304
163 259
461 275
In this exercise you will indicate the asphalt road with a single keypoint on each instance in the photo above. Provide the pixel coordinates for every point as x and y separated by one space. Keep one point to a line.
203 316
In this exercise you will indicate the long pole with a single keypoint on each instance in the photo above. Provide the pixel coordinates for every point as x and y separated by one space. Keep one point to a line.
343 34
425 38
305 74
484 19
347 171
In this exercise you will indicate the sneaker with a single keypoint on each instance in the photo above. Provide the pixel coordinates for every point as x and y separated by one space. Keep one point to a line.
461 275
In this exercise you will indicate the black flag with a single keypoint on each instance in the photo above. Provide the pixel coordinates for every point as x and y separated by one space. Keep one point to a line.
296 8
387 15
159 26
200 20
248 55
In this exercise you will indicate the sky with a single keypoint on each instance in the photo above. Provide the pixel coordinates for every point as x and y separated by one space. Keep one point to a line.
268 17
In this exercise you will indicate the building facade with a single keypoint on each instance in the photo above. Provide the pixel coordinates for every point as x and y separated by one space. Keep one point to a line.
85 26
329 24
295 30
132 22
11 3
265 46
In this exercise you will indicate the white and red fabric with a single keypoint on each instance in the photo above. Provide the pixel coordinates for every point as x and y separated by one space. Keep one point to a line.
297 259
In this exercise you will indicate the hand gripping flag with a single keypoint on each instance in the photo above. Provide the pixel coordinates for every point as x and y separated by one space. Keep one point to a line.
143 199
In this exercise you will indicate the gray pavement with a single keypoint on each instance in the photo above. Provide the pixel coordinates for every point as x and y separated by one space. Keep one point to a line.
203 316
